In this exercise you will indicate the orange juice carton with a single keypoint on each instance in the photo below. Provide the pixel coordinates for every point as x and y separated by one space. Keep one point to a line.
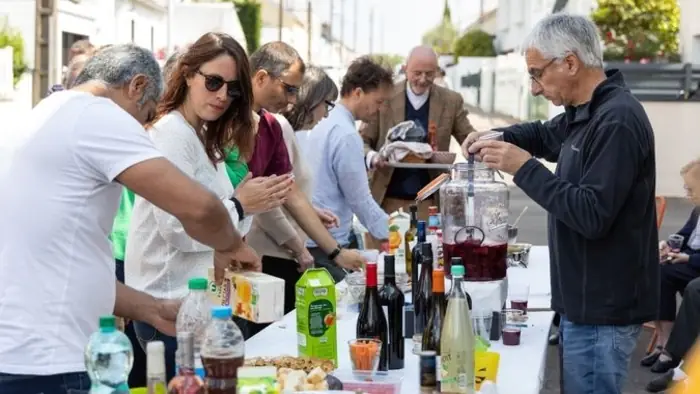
253 296
399 222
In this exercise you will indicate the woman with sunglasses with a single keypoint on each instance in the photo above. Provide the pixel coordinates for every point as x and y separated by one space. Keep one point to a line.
315 97
205 110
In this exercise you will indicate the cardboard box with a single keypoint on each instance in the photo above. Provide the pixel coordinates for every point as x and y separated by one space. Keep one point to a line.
253 296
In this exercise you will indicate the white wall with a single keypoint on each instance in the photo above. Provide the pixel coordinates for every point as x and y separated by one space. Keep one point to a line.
193 20
690 30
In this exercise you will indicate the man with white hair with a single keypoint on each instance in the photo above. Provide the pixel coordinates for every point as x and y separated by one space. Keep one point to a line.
58 205
602 222
419 99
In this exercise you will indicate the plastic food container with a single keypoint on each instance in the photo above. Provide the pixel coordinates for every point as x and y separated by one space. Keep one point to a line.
371 383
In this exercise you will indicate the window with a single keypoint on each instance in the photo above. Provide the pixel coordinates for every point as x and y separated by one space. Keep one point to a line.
133 31
153 33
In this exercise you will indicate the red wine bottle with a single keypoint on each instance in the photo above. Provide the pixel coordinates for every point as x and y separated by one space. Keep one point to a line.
392 301
371 323
424 291
438 306
415 256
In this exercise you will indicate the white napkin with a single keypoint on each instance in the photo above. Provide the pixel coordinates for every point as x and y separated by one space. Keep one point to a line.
396 151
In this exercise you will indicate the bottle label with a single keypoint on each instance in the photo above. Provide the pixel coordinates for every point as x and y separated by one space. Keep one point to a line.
198 368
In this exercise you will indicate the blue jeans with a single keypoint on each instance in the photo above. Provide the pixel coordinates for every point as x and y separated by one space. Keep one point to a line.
146 333
66 383
595 359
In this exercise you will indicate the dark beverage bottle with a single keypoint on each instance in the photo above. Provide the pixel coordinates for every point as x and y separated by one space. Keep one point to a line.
438 306
425 287
371 323
415 256
458 261
186 381
392 301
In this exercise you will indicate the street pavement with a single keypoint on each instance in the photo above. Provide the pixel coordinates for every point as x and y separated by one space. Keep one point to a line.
533 229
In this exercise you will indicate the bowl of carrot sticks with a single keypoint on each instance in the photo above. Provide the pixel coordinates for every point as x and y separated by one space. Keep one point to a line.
364 354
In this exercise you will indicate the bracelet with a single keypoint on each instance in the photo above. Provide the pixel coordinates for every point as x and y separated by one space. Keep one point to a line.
332 255
239 208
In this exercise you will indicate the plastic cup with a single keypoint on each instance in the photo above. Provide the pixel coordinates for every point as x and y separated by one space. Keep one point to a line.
511 326
519 293
675 242
364 354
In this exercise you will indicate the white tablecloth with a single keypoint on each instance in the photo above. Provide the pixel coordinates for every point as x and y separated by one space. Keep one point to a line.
521 369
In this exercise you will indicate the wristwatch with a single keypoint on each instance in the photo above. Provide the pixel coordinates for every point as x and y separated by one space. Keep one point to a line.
332 255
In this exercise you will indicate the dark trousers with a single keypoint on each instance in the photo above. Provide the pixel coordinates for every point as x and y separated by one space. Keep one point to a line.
137 377
146 333
687 326
287 270
674 279
65 383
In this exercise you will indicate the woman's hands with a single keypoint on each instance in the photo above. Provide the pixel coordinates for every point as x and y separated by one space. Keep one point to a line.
261 194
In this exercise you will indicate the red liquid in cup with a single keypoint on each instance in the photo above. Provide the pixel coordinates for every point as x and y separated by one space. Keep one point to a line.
519 305
511 336
482 262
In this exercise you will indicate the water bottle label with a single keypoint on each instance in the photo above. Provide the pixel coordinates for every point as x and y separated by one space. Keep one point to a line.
198 369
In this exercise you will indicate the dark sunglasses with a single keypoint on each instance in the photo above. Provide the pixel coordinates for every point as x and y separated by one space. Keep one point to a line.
214 82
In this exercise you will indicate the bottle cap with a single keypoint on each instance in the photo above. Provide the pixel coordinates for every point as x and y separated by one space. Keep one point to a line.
197 284
433 210
413 208
221 312
371 272
107 322
438 280
457 270
155 358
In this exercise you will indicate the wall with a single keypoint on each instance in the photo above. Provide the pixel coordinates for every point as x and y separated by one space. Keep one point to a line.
690 30
149 23
193 20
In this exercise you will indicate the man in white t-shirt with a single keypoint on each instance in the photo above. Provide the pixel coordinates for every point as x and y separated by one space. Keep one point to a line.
58 201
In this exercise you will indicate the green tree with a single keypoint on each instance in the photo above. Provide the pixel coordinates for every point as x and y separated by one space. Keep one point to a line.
443 36
638 29
387 59
251 22
10 37
475 43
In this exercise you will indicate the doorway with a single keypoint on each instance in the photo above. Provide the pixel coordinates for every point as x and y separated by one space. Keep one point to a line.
68 39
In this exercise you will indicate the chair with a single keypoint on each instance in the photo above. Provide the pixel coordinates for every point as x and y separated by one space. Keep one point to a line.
660 212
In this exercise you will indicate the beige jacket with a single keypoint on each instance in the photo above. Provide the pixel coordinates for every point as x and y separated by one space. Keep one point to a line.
265 235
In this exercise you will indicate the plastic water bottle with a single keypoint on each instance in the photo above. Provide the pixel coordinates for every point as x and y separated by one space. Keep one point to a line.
223 351
194 317
108 359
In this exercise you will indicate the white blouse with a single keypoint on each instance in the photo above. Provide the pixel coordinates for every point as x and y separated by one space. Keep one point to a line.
160 257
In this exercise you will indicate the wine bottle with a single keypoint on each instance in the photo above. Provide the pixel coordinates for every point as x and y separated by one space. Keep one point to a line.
438 305
458 261
410 238
392 300
415 256
457 341
371 323
422 301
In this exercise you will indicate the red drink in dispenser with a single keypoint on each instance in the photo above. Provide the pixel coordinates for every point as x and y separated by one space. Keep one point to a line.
475 221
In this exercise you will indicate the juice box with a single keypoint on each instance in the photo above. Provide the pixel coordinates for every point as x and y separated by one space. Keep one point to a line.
253 296
399 222
316 314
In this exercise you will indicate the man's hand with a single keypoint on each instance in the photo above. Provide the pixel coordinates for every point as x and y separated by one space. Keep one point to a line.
663 252
261 194
350 259
164 319
243 258
500 155
678 258
472 138
327 217
305 260
377 161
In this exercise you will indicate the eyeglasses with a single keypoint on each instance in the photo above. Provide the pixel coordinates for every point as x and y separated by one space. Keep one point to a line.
329 104
536 73
289 89
214 82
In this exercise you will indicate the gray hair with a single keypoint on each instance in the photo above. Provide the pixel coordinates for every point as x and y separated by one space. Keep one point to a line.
169 65
117 65
558 35
316 88
275 57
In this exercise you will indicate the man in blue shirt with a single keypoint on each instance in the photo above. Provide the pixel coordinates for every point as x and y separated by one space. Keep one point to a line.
335 152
